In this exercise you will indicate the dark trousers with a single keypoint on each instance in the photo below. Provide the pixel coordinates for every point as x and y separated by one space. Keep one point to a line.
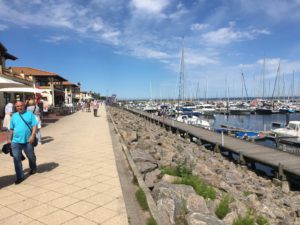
95 112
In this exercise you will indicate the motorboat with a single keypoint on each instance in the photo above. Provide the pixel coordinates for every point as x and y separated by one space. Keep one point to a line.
291 130
193 120
206 109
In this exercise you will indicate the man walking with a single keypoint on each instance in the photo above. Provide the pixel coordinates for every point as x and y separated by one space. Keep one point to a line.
23 127
95 107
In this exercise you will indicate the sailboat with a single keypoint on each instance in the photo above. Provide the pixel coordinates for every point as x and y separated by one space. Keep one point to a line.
267 108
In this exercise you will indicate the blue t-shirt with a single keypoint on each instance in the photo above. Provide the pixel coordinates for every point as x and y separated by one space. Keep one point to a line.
21 131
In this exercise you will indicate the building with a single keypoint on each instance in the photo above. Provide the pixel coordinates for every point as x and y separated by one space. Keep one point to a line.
72 92
50 83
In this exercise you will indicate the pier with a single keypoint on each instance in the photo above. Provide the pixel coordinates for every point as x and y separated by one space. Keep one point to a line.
285 166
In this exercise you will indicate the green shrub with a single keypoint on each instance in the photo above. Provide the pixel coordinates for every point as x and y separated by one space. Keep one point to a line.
182 171
246 220
141 197
223 208
179 171
261 220
151 221
169 171
199 186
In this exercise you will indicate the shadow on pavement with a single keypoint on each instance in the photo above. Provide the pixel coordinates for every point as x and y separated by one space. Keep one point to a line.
10 179
46 167
47 139
49 120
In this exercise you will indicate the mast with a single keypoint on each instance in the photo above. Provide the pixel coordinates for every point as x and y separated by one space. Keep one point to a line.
181 75
244 84
263 77
277 74
293 87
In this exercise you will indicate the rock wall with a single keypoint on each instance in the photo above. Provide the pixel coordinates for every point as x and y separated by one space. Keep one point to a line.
152 147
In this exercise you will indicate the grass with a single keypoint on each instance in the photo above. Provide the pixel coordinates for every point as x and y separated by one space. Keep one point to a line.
200 187
151 221
223 208
261 220
179 171
246 220
246 193
141 198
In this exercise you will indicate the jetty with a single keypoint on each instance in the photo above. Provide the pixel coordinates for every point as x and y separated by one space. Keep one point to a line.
285 166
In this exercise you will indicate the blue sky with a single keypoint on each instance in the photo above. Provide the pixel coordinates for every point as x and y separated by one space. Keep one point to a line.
132 48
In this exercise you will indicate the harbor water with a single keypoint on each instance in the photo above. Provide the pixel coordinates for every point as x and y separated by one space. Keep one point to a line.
259 123
254 122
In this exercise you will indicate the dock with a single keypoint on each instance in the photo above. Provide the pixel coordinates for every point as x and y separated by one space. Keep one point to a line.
285 165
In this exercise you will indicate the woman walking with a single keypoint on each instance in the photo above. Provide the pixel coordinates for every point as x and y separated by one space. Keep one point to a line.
34 108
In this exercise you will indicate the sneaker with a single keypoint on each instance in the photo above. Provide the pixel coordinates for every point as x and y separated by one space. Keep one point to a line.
32 172
18 181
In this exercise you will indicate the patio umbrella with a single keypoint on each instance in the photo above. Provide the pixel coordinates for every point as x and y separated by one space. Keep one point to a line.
21 90
7 83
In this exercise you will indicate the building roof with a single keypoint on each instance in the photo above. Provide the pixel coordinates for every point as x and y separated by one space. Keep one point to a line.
67 83
36 72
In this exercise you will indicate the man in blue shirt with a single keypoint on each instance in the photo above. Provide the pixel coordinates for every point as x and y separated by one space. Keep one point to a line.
22 138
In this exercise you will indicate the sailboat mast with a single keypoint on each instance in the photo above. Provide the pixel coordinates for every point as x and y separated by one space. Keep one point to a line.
263 72
181 75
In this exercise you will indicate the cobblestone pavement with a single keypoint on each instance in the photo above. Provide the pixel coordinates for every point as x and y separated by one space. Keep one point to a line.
76 181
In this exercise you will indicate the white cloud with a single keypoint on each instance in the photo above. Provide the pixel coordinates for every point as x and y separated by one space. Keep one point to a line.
112 37
227 35
196 58
150 53
151 6
56 39
199 26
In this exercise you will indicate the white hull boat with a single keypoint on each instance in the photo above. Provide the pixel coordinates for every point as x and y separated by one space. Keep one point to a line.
291 130
193 120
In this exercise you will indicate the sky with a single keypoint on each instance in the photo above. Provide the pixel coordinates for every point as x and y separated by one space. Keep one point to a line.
133 48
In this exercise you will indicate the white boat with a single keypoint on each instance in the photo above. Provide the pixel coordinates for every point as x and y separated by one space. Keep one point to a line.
193 120
206 109
291 130
150 106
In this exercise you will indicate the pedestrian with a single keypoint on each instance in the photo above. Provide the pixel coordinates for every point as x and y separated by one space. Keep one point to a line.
23 126
9 109
95 106
35 109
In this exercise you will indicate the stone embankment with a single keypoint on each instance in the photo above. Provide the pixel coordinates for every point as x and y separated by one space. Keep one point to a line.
153 148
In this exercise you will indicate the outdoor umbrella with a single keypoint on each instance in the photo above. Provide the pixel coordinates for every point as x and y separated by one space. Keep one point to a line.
6 83
21 90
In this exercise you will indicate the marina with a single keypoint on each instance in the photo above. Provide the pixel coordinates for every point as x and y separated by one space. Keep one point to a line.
281 163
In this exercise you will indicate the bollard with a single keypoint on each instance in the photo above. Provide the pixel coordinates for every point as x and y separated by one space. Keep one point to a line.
217 148
287 118
241 159
187 136
199 142
281 175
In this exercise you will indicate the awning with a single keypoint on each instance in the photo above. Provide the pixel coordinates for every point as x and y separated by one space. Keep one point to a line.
21 90
7 83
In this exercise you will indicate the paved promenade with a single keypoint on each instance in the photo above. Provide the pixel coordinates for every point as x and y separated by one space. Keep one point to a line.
76 181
